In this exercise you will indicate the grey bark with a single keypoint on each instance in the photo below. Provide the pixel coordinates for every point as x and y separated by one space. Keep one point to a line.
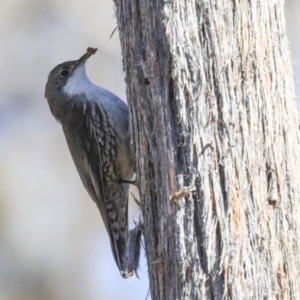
215 134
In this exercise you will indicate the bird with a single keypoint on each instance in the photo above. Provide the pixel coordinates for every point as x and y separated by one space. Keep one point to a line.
95 125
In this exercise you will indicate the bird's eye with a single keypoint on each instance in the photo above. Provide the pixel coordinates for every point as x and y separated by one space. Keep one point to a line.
64 73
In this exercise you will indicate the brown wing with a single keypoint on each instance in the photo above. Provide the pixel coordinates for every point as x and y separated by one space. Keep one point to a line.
95 159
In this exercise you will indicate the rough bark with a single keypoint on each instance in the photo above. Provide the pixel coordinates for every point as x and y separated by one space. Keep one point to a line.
215 134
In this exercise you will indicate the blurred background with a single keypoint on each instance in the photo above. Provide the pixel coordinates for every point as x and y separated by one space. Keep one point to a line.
53 244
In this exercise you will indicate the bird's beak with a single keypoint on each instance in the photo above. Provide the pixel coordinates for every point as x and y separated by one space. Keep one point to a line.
86 56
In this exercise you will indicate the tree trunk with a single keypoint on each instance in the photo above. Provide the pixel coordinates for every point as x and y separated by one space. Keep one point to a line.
215 134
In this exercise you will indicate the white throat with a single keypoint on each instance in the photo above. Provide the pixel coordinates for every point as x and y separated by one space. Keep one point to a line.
79 83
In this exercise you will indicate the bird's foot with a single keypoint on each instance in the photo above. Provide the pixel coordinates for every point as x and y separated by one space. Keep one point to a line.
127 181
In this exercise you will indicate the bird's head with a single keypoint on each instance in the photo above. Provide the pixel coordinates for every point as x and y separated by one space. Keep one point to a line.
65 77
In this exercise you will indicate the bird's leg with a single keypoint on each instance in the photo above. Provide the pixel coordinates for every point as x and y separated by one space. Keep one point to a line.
127 181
